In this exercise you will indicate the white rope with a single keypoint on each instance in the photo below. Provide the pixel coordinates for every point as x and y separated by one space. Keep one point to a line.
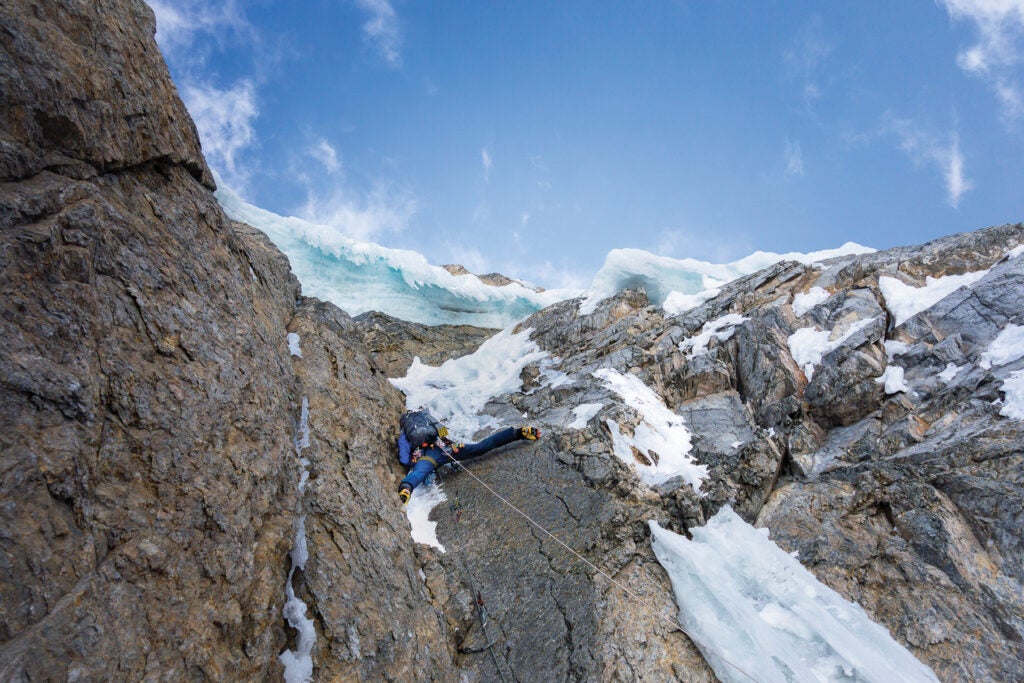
654 610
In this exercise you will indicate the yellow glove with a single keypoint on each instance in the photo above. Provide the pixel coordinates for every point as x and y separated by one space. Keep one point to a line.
530 433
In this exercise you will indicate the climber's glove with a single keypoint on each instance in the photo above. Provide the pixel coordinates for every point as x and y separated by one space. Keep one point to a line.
529 433
404 493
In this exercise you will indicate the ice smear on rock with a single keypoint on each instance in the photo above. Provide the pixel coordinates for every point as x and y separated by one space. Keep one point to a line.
293 345
905 301
678 284
455 393
661 437
298 664
749 603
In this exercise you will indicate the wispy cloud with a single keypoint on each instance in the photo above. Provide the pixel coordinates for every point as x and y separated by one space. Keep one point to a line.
224 119
323 152
805 58
179 23
941 152
382 30
485 159
998 54
386 209
794 158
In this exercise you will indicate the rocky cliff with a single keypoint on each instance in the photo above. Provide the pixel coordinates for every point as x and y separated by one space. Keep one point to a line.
156 431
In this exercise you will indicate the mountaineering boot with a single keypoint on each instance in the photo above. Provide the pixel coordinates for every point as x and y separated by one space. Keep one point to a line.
404 492
529 433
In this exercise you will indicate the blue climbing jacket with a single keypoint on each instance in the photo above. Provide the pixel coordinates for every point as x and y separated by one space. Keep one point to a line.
433 457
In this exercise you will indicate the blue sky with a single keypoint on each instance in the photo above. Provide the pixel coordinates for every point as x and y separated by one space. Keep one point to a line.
533 137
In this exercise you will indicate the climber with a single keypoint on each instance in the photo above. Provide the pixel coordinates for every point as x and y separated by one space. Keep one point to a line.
423 445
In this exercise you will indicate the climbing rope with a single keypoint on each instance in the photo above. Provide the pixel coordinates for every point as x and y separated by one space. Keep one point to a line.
477 597
628 591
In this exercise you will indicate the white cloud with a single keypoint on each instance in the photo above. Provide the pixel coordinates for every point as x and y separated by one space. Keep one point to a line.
794 158
1000 48
525 218
323 152
179 22
224 119
385 210
381 29
470 258
805 58
939 151
485 158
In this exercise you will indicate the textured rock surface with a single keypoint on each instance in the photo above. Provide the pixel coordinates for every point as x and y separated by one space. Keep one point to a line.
147 499
394 343
149 416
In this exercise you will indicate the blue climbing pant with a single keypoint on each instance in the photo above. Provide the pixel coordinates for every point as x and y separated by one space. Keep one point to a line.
434 457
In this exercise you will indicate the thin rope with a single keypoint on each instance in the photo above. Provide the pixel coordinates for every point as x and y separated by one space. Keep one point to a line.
675 625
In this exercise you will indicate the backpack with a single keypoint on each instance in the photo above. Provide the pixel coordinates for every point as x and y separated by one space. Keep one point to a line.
420 427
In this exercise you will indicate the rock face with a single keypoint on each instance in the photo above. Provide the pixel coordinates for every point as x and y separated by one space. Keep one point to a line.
153 451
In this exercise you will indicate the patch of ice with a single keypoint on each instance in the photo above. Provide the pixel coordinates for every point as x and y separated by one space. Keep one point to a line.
905 301
293 344
805 301
583 414
752 607
1007 347
892 378
424 499
298 663
661 437
721 329
735 444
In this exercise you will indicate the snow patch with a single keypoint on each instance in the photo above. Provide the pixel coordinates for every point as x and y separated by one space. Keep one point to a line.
293 345
951 371
583 414
805 301
1013 388
677 302
661 437
895 348
1015 252
892 378
750 604
1007 347
721 329
455 392
809 344
905 301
